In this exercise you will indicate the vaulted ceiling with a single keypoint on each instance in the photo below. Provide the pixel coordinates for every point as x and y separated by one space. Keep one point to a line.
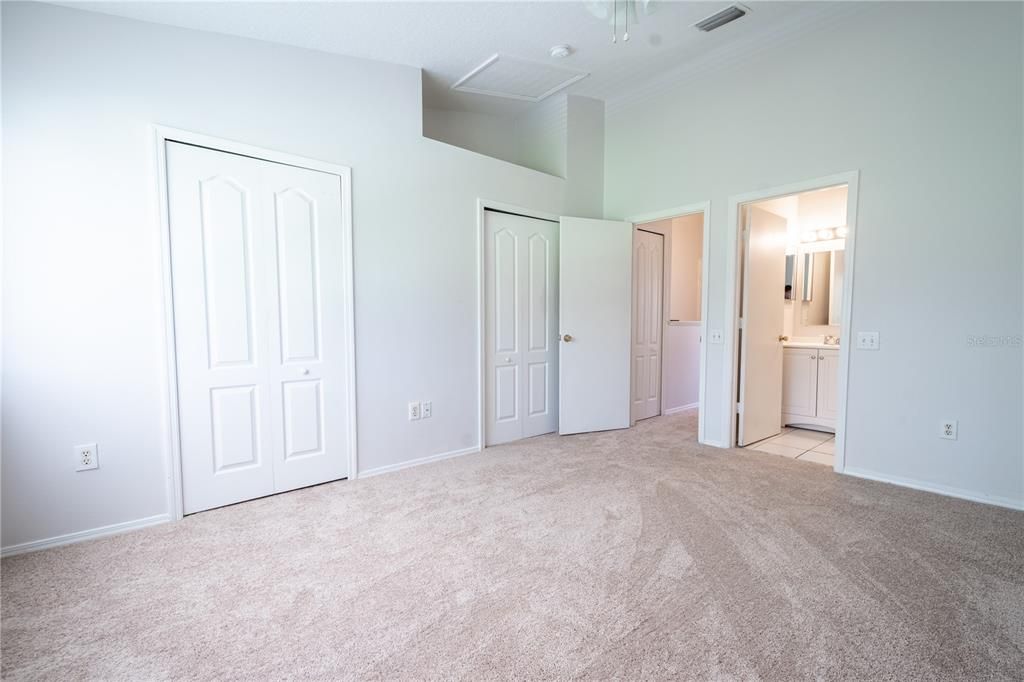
449 39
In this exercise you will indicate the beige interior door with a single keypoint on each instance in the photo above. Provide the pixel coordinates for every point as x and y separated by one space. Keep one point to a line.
761 350
648 315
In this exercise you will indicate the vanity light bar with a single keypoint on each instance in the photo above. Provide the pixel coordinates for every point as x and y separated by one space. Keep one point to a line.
825 234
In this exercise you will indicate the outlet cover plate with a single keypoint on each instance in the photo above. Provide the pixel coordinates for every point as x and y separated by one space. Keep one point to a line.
948 429
86 457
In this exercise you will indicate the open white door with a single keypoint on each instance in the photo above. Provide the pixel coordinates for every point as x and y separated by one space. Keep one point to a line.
595 308
764 275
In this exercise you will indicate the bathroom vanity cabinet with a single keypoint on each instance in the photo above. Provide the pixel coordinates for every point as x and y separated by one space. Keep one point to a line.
810 392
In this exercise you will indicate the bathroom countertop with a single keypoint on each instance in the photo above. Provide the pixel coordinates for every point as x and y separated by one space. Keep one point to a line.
811 344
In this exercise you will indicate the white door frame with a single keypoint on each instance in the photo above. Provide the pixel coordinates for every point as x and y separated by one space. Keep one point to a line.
483 205
689 209
851 180
161 136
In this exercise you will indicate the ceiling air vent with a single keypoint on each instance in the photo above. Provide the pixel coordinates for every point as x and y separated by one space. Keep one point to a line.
515 78
722 18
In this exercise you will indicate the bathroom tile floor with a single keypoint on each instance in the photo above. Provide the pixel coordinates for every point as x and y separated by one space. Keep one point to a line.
802 444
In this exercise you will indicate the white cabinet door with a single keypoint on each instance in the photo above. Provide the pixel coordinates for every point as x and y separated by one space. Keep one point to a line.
828 385
260 338
596 309
764 277
800 382
521 327
648 264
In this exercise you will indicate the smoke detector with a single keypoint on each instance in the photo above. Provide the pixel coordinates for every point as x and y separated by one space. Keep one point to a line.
561 51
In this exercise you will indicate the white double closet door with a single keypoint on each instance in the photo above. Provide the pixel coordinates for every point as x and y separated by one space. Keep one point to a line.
557 326
261 340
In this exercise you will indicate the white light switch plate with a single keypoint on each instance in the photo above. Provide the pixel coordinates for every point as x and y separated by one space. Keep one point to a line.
867 340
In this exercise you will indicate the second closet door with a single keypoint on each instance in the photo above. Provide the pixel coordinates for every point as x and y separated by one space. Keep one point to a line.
521 363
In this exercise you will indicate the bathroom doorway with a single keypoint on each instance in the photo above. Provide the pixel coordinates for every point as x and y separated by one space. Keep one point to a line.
793 289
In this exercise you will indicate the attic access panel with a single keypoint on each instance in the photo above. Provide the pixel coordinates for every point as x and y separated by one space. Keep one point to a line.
515 78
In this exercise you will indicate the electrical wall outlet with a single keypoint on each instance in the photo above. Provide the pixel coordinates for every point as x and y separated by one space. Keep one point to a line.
867 340
948 429
86 457
414 411
716 336
426 409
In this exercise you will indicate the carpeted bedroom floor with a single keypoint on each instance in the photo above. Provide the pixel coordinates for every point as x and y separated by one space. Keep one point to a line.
630 554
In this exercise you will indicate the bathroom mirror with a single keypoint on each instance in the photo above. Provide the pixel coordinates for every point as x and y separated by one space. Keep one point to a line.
821 289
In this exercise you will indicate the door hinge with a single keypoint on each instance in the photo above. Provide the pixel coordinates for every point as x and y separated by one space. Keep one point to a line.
739 323
739 408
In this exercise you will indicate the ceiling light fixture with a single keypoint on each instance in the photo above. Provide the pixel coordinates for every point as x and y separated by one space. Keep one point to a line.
561 51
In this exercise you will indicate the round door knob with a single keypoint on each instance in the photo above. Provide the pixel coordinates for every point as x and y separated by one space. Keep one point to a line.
305 372
567 338
783 338
508 360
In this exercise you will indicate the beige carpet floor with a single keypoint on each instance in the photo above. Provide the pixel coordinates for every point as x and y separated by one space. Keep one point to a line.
633 554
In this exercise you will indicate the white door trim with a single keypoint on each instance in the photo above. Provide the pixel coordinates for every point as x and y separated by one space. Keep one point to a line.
161 136
483 205
689 209
851 180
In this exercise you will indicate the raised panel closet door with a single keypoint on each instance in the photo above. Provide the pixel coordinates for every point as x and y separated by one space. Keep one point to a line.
648 266
308 368
520 327
220 303
539 330
502 357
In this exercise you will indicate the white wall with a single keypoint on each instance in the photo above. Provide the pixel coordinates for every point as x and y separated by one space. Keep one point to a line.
584 157
486 134
926 101
541 137
536 138
84 346
687 252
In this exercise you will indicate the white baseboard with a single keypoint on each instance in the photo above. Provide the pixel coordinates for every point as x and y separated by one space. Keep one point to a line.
948 491
416 462
682 408
82 535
